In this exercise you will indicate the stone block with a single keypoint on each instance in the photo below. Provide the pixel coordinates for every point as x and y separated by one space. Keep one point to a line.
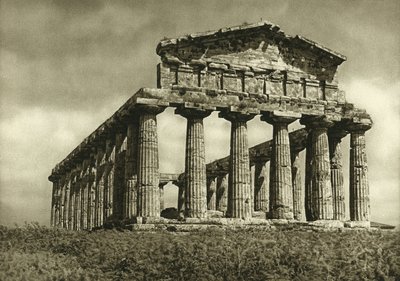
166 76
357 224
327 223
331 94
341 97
274 87
214 214
254 84
294 89
232 82
212 80
312 91
259 215
187 77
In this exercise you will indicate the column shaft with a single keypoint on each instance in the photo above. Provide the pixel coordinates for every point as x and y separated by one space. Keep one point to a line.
109 181
222 193
308 183
321 193
53 202
119 176
71 208
67 195
261 187
298 188
181 197
195 166
130 195
335 153
148 174
281 196
99 193
239 197
212 193
91 213
61 201
359 188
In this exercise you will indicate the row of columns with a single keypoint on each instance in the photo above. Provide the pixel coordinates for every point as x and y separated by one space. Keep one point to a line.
120 179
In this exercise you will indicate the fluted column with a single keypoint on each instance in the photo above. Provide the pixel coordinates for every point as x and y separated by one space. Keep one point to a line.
130 194
211 193
148 174
359 187
99 192
71 206
280 184
109 180
61 201
318 177
181 196
195 166
53 202
161 187
91 200
335 153
222 192
239 197
119 175
261 188
78 194
298 188
85 192
67 197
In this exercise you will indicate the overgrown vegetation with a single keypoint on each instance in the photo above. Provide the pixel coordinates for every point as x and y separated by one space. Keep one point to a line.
35 252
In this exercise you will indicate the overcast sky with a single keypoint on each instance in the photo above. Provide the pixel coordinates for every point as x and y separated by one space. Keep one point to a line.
66 66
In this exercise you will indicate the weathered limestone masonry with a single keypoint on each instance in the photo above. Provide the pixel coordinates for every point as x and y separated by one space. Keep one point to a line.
113 177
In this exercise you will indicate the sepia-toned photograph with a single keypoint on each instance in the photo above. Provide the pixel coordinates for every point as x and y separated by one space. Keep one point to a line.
199 140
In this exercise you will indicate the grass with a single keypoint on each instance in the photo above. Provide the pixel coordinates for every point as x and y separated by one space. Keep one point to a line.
34 252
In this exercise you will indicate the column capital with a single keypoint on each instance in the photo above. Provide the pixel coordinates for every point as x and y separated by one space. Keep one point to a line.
234 116
315 122
277 116
359 125
149 109
337 132
193 113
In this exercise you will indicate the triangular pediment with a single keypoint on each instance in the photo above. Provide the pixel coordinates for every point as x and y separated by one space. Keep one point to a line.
262 46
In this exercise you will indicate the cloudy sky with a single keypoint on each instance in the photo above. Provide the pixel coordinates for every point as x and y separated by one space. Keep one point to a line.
65 66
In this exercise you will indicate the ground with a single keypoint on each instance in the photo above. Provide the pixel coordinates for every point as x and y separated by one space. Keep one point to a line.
35 252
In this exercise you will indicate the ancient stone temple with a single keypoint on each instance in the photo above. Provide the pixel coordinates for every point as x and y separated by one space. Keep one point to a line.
243 72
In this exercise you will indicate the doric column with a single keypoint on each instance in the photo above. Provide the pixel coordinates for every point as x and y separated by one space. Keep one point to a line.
100 180
71 205
61 201
239 197
91 212
261 188
280 184
148 174
119 174
84 193
53 202
130 195
161 187
67 196
181 196
318 177
359 188
211 193
335 153
109 180
195 166
222 192
298 188
77 202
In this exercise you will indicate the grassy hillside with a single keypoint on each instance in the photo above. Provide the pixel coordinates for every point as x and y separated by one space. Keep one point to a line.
34 252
